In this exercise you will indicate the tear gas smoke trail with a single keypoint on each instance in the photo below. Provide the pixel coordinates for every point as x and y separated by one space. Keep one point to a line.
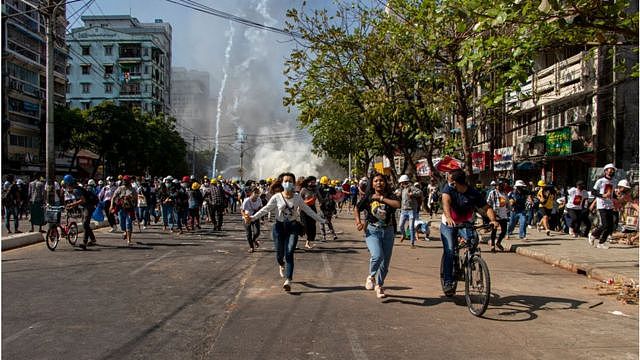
227 55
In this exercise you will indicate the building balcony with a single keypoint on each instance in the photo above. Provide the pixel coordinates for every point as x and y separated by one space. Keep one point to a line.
25 88
130 52
573 76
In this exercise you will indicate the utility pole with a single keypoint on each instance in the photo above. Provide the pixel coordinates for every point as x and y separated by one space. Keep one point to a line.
50 157
193 156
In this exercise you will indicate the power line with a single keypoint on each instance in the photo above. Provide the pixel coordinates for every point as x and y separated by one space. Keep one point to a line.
45 8
224 15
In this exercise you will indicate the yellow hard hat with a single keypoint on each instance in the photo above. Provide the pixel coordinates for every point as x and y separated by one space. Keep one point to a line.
324 180
219 177
541 183
214 181
195 186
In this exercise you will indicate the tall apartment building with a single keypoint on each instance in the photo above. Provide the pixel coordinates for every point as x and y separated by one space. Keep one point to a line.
118 58
24 83
190 102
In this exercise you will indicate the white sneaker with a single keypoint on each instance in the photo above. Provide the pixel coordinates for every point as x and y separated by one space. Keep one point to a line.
380 292
590 239
287 285
530 226
369 283
603 245
281 271
113 229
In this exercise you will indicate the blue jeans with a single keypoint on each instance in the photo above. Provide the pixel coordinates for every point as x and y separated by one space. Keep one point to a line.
286 239
449 237
521 218
404 216
380 243
167 216
126 221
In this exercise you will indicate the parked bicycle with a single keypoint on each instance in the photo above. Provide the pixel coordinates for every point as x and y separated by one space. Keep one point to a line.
472 269
53 215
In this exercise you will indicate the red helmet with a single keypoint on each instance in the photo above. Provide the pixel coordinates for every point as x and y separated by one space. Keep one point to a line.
126 178
186 178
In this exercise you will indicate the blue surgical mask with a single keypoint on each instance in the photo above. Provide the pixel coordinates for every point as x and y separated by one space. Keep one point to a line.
287 186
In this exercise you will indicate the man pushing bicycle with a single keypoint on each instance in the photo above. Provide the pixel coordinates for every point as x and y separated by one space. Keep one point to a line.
88 201
459 202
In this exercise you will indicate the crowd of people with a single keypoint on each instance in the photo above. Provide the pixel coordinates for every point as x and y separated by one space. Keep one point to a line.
299 205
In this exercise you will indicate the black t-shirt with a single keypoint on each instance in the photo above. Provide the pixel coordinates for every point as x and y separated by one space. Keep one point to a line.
464 204
378 213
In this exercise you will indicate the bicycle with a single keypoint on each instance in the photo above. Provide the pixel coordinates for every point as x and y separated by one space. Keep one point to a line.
53 215
472 269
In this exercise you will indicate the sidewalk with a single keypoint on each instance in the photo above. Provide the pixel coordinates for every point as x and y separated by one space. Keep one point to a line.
12 241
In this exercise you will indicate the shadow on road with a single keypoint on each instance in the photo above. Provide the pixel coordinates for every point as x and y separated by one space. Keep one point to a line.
332 289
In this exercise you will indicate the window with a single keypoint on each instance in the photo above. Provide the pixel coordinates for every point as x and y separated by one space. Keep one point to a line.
86 105
86 69
68 69
145 51
86 50
86 88
108 88
108 50
108 70
146 69
68 88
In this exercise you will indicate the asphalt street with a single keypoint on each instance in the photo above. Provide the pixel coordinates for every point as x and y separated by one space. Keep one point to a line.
202 296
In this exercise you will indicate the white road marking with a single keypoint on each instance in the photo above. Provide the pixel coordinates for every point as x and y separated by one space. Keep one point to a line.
356 348
21 333
327 267
151 263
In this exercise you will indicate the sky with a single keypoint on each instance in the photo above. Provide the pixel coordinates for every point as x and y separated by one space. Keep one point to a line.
251 101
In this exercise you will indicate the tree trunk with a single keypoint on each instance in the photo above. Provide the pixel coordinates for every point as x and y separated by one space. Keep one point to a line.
462 113
73 159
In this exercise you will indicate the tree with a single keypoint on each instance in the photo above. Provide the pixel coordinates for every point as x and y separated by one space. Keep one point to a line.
72 131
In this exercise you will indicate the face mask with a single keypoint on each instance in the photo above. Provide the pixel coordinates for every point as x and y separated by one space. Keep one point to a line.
311 187
287 186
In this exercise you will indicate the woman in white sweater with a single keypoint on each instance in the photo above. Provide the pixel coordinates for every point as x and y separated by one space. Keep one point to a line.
287 205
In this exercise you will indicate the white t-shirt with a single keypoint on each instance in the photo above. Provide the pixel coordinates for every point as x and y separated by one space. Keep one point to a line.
575 198
604 186
287 209
251 207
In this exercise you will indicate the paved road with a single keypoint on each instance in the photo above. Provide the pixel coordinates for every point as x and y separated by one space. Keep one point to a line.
202 296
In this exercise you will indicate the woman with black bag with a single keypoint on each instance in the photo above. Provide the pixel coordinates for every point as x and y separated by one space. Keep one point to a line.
287 205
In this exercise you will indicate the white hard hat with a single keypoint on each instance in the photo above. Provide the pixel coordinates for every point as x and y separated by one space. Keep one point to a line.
610 166
493 183
91 182
403 178
624 183
520 183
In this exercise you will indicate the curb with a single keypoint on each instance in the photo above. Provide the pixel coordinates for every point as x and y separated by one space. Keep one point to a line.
567 264
17 241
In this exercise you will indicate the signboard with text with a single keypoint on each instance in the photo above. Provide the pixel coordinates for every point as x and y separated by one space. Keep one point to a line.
479 161
559 142
503 159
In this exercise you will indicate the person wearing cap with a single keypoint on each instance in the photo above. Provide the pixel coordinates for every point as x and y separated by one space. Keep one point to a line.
125 199
250 205
87 201
547 196
603 190
459 203
622 196
408 195
326 193
497 199
518 200
577 198
105 197
217 203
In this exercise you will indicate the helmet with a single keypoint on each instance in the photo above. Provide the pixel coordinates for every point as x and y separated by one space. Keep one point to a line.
68 179
219 177
6 185
195 186
91 182
541 183
119 177
175 181
19 182
186 178
324 180
520 183
214 181
624 183
609 166
403 178
126 178
100 182
109 178
493 183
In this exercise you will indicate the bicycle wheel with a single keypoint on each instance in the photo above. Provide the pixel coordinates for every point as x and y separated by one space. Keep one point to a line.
455 281
72 234
477 285
52 238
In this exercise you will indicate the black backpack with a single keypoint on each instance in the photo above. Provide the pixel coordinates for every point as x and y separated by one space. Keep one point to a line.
90 197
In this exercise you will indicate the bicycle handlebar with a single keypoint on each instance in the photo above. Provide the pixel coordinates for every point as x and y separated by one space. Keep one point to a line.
468 225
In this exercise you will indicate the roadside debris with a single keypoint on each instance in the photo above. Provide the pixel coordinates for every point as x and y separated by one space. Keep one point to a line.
625 238
625 292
